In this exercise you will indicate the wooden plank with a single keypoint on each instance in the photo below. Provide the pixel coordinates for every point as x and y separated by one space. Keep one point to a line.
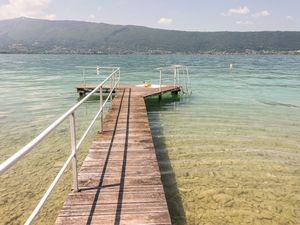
119 180
157 218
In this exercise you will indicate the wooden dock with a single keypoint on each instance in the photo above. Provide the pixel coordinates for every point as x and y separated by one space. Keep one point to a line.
84 89
119 180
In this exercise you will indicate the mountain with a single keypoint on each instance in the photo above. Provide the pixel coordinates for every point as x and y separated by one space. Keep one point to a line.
25 35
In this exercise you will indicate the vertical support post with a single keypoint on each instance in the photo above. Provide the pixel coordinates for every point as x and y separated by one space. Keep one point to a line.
101 105
175 74
73 151
160 79
111 87
184 85
189 81
119 78
114 80
178 76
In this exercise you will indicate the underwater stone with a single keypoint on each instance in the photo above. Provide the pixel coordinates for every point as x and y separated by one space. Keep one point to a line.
222 198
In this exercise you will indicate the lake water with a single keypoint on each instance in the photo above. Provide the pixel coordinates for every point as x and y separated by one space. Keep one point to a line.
229 154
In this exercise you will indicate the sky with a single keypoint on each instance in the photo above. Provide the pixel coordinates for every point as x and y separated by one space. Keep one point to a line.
189 15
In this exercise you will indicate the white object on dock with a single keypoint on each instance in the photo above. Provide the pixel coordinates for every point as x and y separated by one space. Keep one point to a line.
151 86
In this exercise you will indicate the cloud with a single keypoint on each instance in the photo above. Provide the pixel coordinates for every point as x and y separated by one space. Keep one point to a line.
165 21
290 18
92 16
242 10
245 23
50 17
262 13
17 8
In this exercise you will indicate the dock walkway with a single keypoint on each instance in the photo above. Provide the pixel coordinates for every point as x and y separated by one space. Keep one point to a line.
119 180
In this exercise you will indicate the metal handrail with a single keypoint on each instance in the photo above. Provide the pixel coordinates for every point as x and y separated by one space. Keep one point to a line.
178 70
114 78
97 68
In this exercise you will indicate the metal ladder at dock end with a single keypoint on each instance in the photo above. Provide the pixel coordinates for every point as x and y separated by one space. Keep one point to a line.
180 72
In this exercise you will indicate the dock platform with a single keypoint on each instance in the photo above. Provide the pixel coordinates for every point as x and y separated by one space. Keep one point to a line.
120 181
84 89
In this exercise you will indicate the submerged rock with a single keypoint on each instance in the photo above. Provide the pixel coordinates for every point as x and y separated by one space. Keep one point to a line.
265 216
222 198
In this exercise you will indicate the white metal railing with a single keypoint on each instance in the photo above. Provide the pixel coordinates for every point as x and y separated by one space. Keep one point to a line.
87 69
179 72
114 79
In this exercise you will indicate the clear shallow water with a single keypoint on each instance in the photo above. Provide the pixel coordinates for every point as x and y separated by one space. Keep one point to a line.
230 154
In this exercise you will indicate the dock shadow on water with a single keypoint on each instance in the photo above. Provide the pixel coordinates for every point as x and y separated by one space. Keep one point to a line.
173 197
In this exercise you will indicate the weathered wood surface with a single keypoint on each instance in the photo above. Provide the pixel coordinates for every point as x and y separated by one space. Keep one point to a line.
120 180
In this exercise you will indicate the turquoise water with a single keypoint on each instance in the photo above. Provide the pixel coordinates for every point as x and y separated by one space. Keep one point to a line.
229 154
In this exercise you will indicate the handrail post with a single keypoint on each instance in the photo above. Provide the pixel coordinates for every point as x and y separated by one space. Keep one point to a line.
101 105
175 74
73 151
111 87
114 80
119 77
178 77
160 79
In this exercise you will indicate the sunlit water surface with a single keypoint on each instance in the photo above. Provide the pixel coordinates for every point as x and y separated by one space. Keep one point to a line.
229 154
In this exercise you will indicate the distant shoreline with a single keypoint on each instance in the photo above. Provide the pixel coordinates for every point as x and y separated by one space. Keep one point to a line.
74 37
